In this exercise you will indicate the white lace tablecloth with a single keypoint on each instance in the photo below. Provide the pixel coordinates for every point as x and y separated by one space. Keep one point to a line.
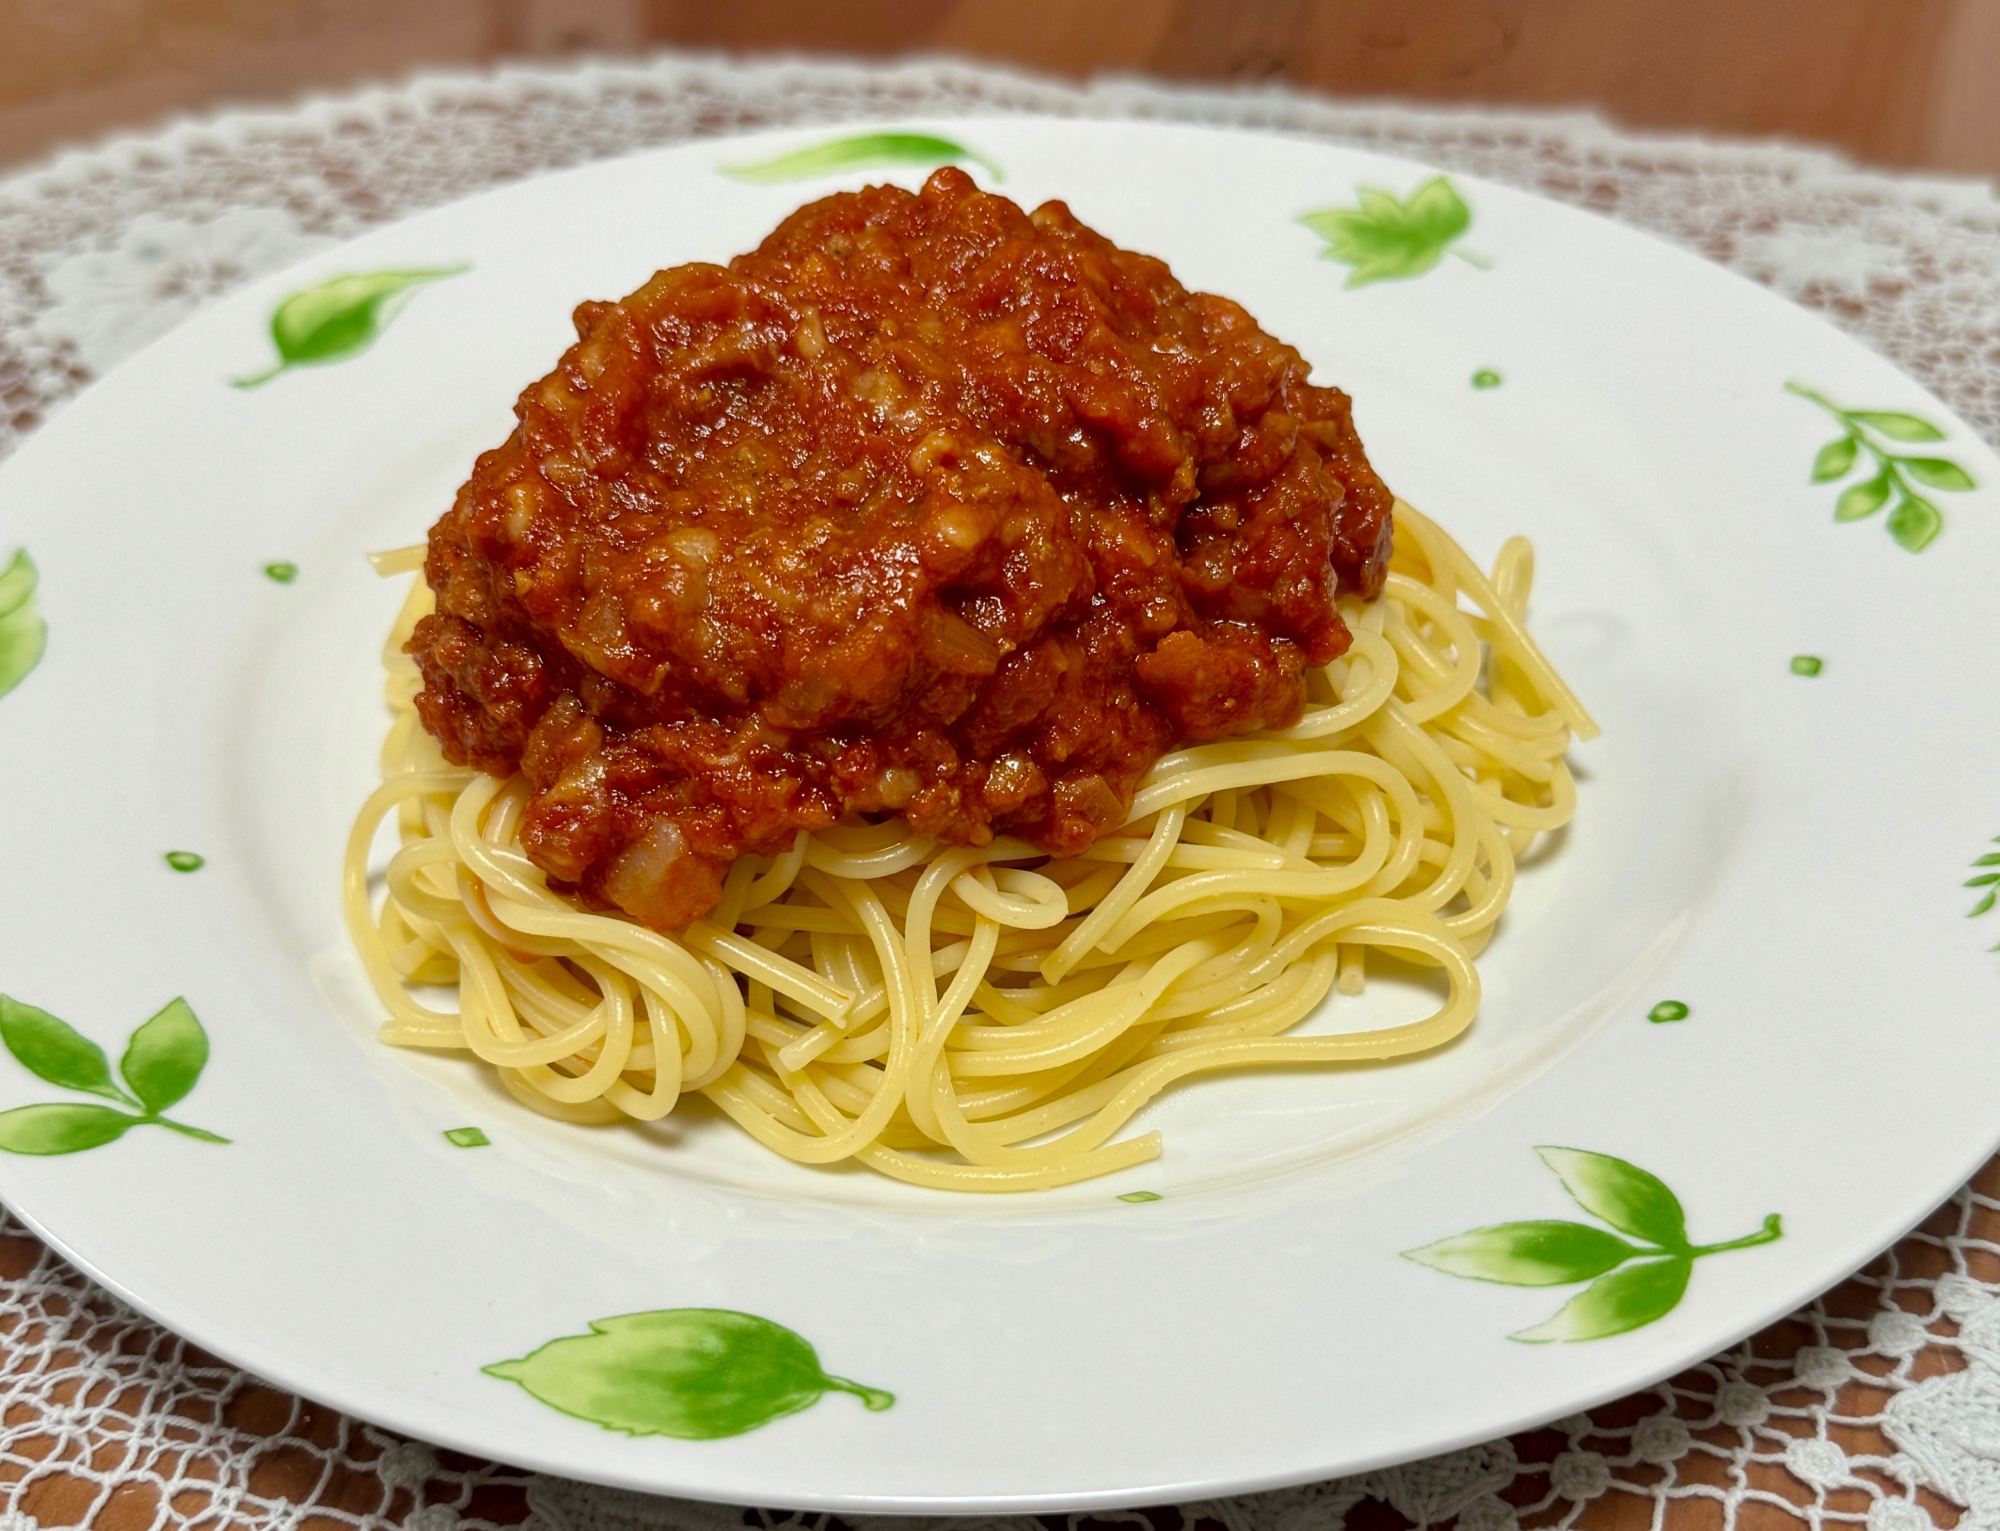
1879 1405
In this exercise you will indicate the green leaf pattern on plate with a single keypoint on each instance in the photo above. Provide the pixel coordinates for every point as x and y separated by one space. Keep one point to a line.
1626 1299
1985 876
860 151
56 1051
695 1373
1544 1253
24 636
61 1129
1383 239
1888 476
162 1061
1628 1198
339 318
165 1057
1631 1284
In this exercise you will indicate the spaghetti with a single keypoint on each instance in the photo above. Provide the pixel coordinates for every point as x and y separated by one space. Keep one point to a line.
988 1019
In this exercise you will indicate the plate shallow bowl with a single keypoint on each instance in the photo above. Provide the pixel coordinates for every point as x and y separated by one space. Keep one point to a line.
1781 853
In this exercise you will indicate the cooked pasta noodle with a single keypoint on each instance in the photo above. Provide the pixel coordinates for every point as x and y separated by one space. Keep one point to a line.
988 1019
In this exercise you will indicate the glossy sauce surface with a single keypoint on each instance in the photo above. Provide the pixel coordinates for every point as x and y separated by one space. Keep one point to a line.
928 506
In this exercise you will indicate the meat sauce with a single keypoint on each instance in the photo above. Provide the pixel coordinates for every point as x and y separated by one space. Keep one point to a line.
928 506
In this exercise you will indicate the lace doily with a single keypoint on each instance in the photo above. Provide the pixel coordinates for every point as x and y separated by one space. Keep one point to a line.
1876 1407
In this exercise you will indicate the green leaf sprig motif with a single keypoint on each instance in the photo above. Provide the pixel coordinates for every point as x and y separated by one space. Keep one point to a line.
339 318
695 1373
1631 1284
24 636
1866 441
1986 875
859 151
1384 239
162 1061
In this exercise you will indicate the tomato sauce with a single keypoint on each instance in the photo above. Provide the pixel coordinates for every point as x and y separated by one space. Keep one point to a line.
928 506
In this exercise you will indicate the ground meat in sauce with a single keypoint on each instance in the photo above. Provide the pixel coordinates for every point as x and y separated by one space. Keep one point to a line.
928 506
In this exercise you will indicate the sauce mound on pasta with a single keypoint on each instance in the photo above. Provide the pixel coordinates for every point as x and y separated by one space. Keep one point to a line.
929 506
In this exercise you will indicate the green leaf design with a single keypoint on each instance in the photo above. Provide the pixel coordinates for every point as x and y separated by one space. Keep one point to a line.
24 636
860 151
1613 1304
467 1137
281 573
1807 665
340 317
55 1050
1862 500
1915 523
1896 425
1383 239
1633 1285
185 861
17 582
1142 1196
1628 1198
1990 881
1938 473
1526 1254
1835 460
1667 1010
61 1129
695 1373
162 1060
165 1057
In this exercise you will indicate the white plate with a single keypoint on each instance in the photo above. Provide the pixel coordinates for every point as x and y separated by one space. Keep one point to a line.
1781 853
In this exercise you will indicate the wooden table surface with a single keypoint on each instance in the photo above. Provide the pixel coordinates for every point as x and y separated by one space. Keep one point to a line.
1903 83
